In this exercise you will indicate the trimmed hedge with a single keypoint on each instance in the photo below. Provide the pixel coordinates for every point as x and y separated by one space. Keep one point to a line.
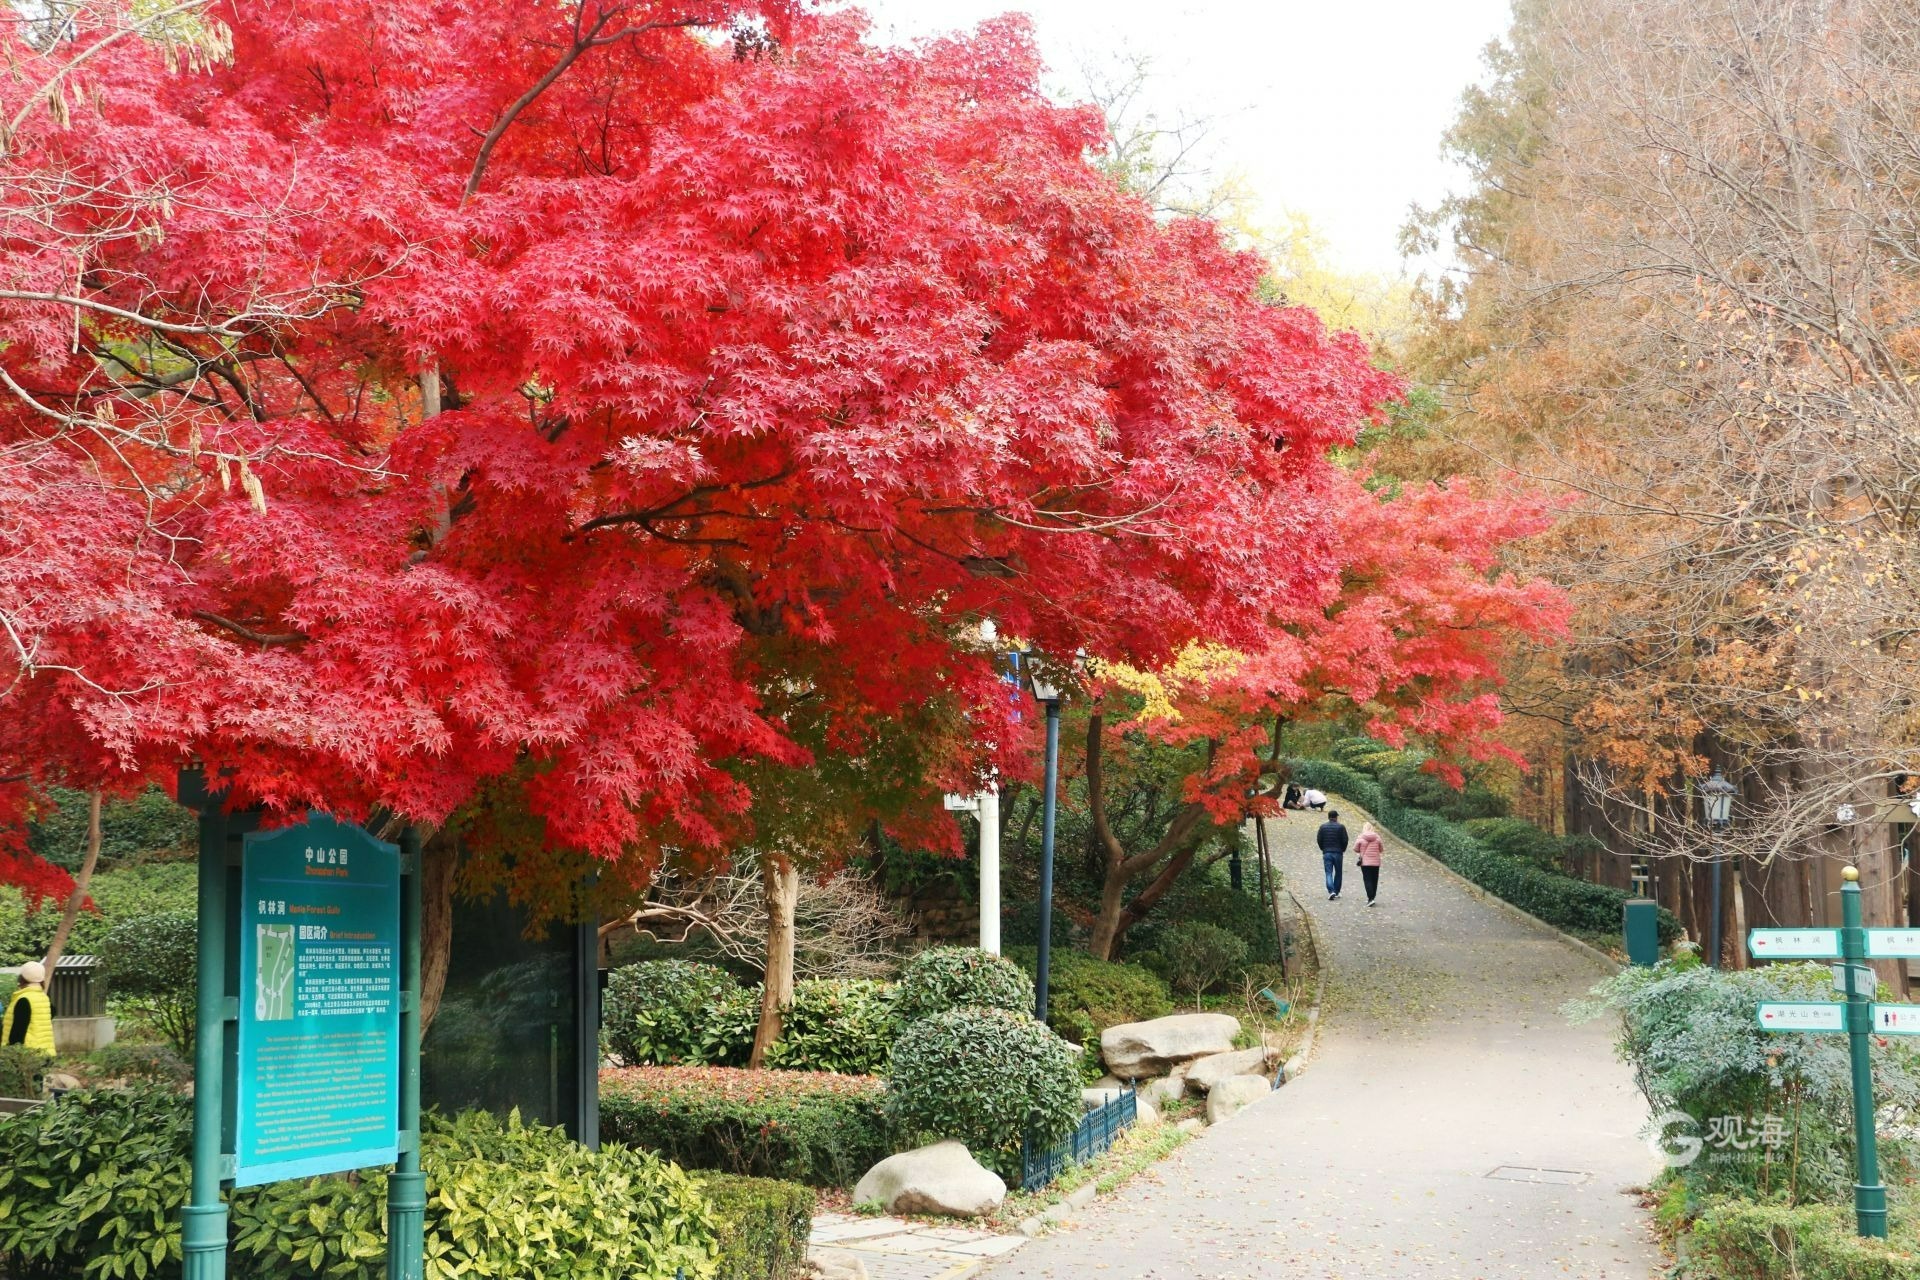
669 1012
988 1077
763 1226
814 1127
1559 900
1742 1240
837 1024
940 979
1085 996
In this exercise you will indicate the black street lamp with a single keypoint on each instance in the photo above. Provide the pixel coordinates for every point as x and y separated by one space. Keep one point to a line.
1716 798
1047 691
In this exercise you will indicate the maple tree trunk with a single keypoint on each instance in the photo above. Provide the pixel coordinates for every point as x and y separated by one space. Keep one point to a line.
78 897
440 862
1106 924
1149 897
776 992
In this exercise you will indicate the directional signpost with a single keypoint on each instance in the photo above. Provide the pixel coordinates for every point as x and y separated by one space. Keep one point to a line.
1858 1017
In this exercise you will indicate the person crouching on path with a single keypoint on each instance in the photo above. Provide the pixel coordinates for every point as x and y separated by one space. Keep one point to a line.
1367 849
1333 852
29 1018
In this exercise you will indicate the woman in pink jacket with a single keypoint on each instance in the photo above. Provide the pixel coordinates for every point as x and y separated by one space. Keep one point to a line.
1369 848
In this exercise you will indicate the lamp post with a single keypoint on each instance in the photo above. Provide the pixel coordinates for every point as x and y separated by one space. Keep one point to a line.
1047 691
1716 797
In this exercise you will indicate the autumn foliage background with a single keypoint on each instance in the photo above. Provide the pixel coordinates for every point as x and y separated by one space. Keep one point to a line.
598 431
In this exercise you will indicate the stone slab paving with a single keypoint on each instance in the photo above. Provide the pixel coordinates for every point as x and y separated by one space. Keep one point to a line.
1443 1061
898 1249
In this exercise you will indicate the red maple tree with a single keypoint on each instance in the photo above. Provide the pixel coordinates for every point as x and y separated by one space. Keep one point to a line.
490 410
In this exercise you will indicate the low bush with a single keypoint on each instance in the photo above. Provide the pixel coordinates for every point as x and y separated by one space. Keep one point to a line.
151 965
136 1064
837 1024
92 1185
1563 901
22 1071
988 1077
801 1126
1743 1240
943 978
1195 957
1518 838
1692 1036
672 1012
1085 996
762 1224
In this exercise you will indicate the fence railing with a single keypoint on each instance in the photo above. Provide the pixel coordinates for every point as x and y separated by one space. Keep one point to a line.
1095 1133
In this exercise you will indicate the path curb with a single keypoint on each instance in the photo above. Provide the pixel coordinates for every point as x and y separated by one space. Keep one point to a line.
1586 949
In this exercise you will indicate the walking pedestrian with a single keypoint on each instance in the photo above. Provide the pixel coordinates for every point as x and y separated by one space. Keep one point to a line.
29 1018
1367 849
1333 852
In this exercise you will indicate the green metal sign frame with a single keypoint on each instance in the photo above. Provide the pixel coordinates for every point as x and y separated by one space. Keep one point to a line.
227 841
1869 1193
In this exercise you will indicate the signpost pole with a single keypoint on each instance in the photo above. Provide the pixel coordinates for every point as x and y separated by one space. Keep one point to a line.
203 1221
407 1185
1869 1195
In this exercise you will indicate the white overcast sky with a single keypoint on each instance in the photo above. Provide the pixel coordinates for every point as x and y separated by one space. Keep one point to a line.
1333 108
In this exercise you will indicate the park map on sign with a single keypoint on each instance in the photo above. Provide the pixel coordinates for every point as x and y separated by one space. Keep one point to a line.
273 983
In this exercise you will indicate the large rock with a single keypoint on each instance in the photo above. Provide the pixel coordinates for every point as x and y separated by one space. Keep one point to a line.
1235 1093
1137 1050
1165 1090
1207 1072
942 1178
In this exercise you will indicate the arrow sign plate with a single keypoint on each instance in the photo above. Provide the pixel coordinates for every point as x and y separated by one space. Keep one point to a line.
1794 944
1801 1015
1897 1019
1893 944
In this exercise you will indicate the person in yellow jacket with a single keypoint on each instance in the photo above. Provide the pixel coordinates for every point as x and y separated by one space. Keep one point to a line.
29 1018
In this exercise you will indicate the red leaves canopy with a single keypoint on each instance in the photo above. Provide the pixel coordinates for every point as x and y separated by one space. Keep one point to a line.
764 369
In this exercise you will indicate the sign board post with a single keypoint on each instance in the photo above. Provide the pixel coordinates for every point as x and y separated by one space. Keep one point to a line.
307 1050
1869 1194
1858 1017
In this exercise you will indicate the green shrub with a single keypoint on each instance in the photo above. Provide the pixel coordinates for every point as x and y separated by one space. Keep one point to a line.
1085 996
22 1071
1692 1037
92 1185
944 978
988 1077
118 895
1563 901
1194 957
1742 1240
837 1024
137 1064
1210 899
802 1126
763 1225
672 1012
1518 838
151 970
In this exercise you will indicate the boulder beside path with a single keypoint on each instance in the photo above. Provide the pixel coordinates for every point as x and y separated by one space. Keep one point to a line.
1207 1072
1234 1094
1139 1050
942 1178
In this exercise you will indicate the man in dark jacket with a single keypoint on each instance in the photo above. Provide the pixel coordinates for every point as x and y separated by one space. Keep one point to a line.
1333 852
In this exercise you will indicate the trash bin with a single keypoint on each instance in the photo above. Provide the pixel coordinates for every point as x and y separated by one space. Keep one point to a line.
1642 926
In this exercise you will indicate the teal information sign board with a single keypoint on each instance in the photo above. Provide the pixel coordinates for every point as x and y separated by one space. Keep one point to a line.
319 1070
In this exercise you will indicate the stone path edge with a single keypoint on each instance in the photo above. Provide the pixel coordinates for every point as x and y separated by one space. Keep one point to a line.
1586 949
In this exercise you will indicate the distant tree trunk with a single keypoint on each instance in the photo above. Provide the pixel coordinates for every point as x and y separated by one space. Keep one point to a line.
1179 843
440 859
1739 939
776 993
78 897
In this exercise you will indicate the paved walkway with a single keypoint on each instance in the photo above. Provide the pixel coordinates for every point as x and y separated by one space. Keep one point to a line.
1451 1122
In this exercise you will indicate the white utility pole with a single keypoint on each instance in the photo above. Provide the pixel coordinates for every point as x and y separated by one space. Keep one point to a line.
989 811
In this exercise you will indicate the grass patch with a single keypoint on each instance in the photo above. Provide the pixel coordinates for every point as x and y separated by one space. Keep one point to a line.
1136 1150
